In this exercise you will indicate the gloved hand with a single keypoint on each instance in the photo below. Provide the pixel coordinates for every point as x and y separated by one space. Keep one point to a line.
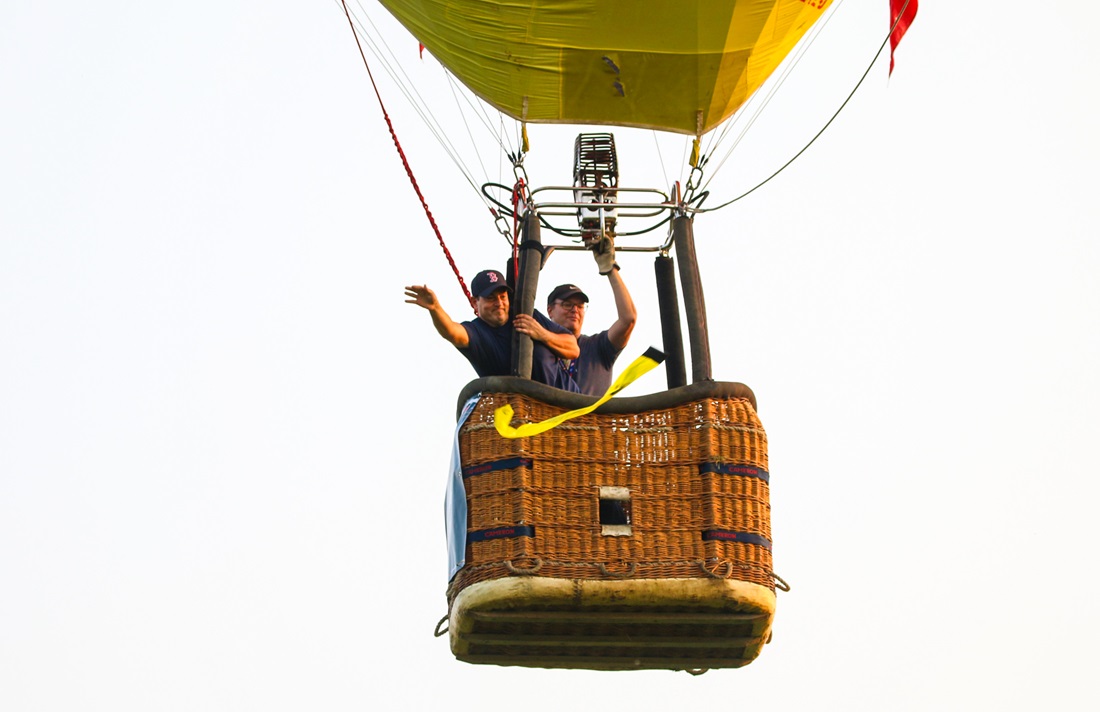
604 251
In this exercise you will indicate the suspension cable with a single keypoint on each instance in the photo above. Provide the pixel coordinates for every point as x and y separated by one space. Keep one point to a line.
463 103
795 157
762 104
405 162
405 85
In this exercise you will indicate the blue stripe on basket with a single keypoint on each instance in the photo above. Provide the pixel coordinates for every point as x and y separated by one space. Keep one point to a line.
508 464
728 469
509 532
741 537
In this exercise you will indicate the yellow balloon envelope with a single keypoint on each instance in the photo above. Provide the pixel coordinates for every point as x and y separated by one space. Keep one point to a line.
674 65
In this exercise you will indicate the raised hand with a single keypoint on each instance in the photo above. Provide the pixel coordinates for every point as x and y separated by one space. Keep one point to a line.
420 295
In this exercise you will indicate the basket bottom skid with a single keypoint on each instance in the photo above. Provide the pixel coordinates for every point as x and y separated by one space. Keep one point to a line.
640 624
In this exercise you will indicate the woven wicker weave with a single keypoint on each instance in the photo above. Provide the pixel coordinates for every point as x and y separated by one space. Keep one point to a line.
695 475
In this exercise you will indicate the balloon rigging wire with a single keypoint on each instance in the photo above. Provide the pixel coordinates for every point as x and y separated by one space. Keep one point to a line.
420 106
405 85
795 157
660 156
466 124
478 108
405 161
761 104
499 135
395 69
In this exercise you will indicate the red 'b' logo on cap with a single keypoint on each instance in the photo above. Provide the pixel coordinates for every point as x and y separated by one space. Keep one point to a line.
492 276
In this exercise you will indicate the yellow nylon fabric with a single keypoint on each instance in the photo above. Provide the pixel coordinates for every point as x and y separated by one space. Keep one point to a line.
502 416
674 65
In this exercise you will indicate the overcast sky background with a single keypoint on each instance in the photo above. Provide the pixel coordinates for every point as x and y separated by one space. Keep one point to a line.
224 436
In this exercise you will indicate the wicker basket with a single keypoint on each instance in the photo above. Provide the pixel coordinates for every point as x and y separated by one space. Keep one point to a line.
637 536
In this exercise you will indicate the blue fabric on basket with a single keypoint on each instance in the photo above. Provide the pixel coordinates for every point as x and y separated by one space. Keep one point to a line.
455 501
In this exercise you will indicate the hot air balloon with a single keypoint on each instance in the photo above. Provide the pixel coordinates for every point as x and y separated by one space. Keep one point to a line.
674 66
637 535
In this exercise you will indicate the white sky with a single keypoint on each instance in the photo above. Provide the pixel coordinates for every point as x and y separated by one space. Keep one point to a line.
223 435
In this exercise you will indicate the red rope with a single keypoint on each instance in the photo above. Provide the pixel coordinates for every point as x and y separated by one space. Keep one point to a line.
405 162
517 196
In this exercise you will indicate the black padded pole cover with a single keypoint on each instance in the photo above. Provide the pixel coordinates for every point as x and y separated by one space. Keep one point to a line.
523 300
672 336
683 238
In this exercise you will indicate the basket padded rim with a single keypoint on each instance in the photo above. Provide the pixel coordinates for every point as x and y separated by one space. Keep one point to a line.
618 405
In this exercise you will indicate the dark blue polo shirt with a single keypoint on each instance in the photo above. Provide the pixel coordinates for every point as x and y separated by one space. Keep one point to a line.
490 353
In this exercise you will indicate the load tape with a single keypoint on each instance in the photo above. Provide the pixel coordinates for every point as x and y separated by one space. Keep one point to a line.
740 537
509 532
725 468
506 464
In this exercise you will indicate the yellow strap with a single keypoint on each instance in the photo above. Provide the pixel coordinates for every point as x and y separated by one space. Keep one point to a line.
502 417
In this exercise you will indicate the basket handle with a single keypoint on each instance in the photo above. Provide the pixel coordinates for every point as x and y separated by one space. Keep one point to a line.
523 572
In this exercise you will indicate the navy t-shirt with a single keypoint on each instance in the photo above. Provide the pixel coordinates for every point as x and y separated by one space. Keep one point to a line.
490 353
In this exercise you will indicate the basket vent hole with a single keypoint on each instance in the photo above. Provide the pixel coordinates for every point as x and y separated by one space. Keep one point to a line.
615 512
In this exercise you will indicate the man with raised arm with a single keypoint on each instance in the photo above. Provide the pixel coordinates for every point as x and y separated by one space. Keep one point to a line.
486 341
566 306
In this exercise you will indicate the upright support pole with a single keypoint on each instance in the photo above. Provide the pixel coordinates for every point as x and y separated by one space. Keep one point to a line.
523 300
683 238
675 370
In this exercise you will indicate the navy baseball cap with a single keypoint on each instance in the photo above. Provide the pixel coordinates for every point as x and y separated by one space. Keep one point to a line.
564 291
488 281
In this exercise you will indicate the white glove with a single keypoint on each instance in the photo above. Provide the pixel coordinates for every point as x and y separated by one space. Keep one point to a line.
604 251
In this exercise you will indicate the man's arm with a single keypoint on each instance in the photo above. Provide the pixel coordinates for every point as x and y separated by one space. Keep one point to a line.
563 343
619 332
449 329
